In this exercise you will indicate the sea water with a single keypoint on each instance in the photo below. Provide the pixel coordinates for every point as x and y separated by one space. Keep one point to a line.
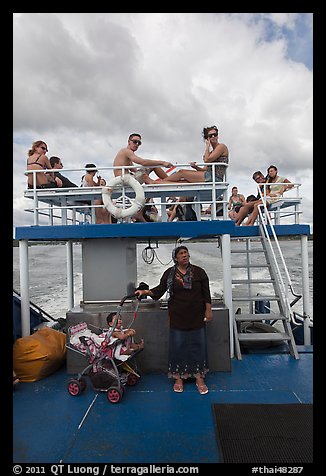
48 275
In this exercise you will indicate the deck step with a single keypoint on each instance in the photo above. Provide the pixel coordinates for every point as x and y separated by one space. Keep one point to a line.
259 317
263 336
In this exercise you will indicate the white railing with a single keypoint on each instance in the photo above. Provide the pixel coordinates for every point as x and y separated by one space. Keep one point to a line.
283 206
69 201
275 254
68 204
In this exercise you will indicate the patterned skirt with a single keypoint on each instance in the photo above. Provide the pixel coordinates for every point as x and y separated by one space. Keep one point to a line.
187 353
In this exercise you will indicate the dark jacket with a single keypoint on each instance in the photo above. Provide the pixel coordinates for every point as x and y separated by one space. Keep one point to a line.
65 181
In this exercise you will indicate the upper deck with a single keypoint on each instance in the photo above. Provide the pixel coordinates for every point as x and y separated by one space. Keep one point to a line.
70 212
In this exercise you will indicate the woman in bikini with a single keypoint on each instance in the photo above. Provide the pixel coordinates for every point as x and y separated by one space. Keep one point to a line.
214 152
37 160
236 201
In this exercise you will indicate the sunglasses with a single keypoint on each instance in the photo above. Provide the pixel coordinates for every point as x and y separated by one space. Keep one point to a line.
44 148
136 142
212 135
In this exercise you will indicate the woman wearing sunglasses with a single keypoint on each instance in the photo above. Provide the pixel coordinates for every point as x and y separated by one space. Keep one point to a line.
214 152
37 160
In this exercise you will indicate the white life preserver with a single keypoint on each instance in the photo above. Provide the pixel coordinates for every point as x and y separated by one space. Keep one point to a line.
118 182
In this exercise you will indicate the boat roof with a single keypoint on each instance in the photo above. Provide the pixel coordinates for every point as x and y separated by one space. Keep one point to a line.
194 229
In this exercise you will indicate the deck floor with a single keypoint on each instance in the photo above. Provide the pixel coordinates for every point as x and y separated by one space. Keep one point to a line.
151 424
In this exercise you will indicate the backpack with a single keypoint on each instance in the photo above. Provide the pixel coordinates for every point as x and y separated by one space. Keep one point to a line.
186 213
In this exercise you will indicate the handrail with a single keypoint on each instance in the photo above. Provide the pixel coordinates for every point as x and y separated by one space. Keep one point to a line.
159 190
265 219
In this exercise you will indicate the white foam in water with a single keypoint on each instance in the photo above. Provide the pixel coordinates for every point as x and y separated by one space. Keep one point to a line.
47 271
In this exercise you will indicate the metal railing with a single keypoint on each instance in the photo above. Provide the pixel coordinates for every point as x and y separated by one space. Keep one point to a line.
275 254
69 201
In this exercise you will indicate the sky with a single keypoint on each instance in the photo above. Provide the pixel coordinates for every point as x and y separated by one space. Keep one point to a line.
82 82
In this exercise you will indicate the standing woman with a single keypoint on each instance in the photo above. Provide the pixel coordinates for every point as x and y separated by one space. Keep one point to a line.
37 160
189 308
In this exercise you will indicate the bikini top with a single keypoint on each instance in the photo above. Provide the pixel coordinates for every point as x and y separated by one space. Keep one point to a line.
36 163
236 203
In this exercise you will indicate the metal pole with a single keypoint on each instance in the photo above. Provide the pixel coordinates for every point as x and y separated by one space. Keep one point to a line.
227 284
70 275
305 289
24 288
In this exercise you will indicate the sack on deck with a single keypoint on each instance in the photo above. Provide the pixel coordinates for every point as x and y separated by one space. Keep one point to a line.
39 355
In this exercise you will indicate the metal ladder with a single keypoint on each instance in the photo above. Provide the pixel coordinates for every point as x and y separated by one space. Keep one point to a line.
265 248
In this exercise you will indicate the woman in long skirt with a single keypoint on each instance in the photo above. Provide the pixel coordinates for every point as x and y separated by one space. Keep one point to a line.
189 307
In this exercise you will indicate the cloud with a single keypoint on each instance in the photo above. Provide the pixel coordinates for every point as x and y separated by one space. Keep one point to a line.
83 82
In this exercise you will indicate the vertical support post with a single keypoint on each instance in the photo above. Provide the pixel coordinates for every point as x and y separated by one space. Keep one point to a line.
93 217
24 288
227 284
305 288
35 200
64 211
51 214
213 208
70 274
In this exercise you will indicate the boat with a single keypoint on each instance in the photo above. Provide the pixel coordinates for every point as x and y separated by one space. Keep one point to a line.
152 425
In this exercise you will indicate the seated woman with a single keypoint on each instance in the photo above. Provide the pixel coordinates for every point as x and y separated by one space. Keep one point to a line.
247 209
214 152
275 191
102 216
236 201
37 160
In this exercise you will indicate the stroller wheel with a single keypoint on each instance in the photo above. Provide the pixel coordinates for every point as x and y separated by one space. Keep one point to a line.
132 380
114 394
75 387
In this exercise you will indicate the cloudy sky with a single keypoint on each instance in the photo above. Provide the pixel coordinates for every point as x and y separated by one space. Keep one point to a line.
84 81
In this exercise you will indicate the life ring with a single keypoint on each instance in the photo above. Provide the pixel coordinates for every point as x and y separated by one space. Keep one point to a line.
116 182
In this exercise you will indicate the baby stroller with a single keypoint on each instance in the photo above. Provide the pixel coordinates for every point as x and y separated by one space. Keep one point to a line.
108 370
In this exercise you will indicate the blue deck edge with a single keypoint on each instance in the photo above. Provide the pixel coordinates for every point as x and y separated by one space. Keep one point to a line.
150 230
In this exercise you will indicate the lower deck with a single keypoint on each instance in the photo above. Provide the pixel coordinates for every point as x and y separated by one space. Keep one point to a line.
151 424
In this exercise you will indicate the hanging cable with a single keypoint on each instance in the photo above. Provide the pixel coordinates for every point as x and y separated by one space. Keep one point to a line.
149 254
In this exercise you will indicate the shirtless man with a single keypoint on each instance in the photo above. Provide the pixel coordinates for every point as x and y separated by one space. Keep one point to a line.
127 157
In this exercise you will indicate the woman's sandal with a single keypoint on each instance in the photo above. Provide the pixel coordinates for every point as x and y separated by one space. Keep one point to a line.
178 387
202 388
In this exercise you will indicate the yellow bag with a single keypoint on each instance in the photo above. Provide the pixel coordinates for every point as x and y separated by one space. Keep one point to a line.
38 355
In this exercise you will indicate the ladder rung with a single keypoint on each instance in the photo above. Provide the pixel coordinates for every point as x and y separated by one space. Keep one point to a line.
256 298
259 317
263 336
247 251
245 265
252 239
252 281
